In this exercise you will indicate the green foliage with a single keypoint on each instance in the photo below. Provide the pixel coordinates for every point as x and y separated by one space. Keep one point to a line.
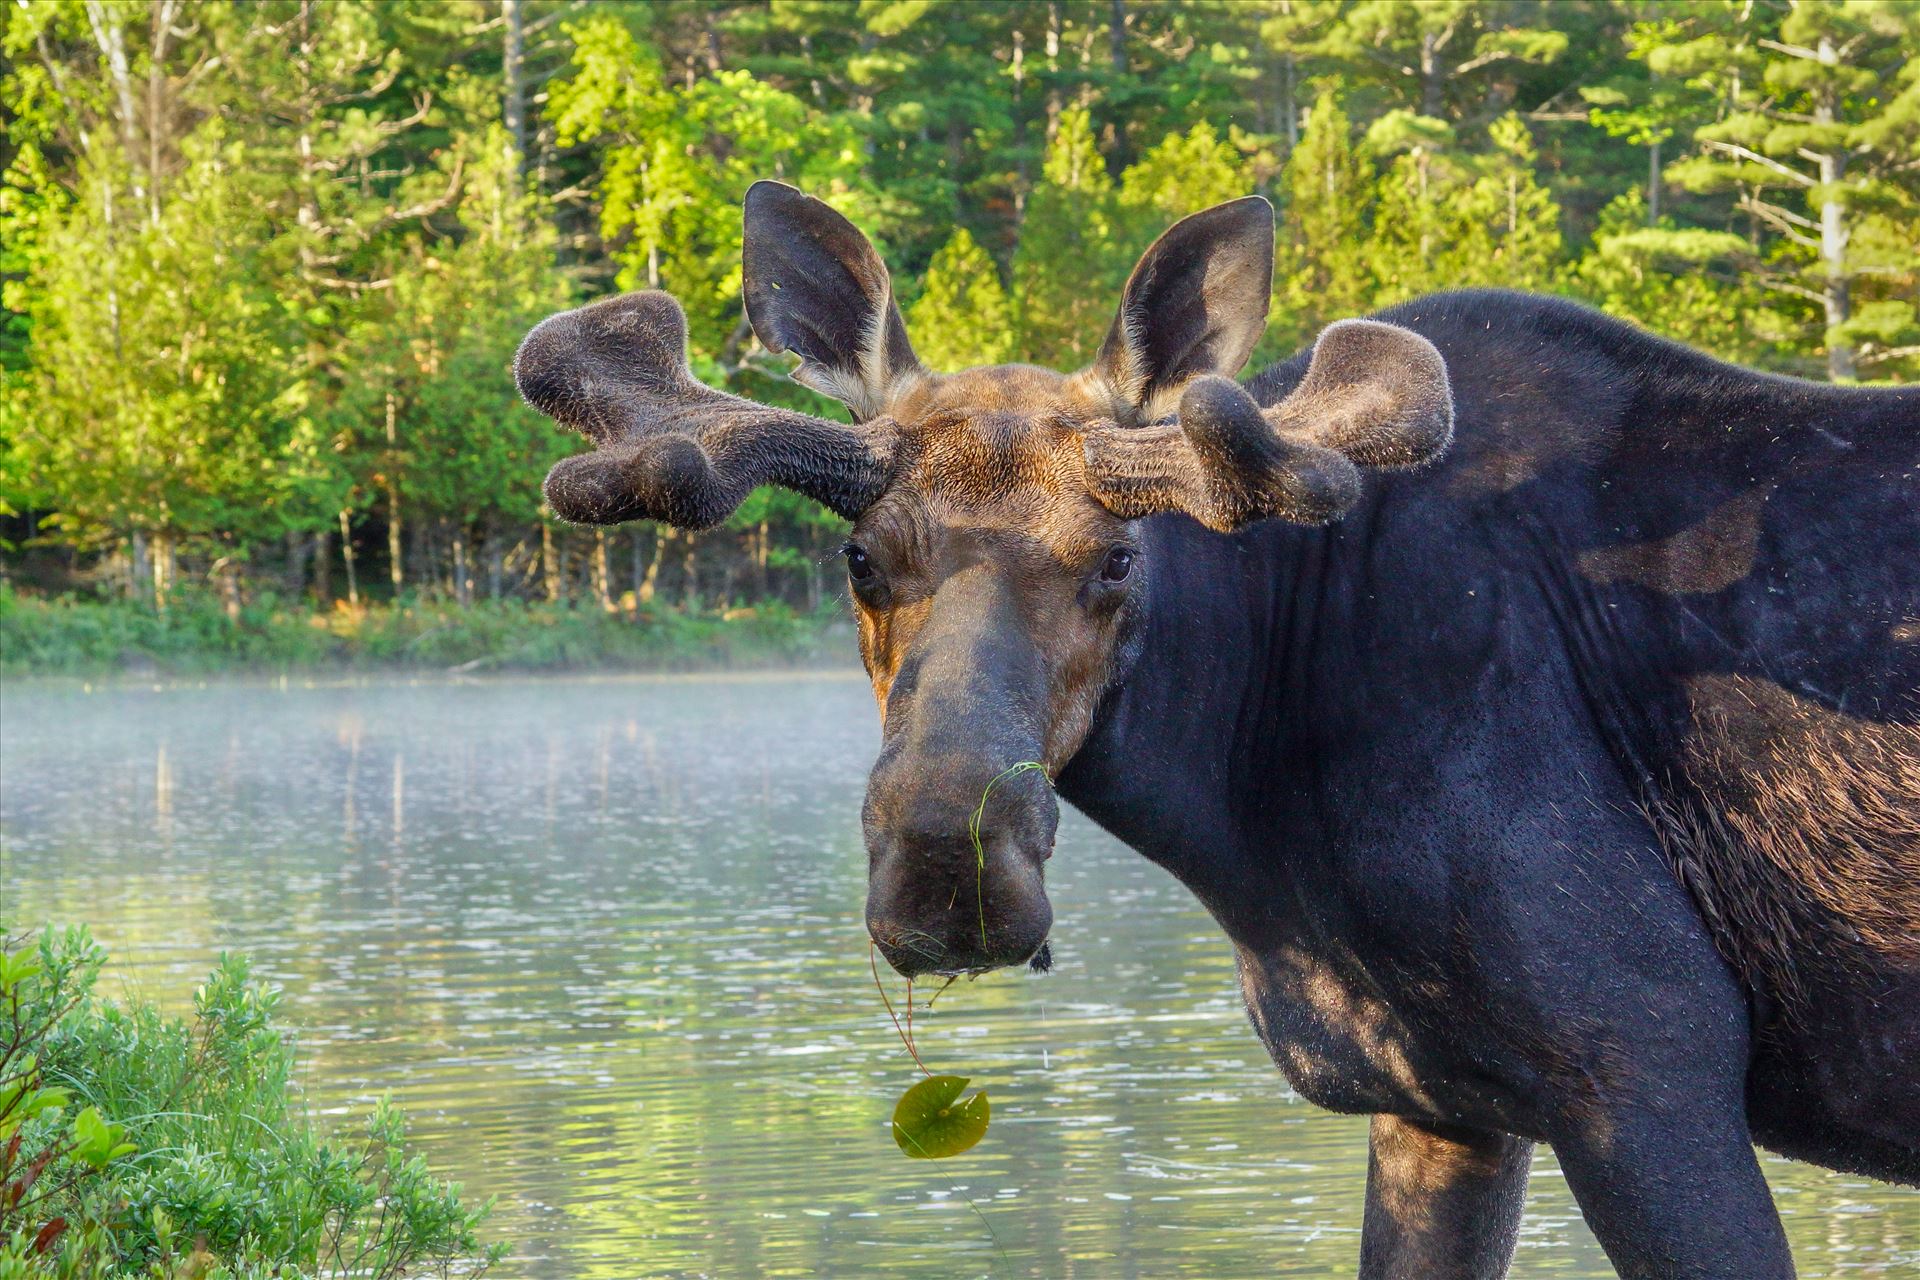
212 1167
1436 58
1071 261
1815 144
676 163
157 398
1446 219
462 445
263 273
1186 172
1330 186
78 637
1682 281
962 317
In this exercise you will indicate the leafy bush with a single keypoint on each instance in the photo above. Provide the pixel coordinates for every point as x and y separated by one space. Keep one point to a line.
187 1152
194 635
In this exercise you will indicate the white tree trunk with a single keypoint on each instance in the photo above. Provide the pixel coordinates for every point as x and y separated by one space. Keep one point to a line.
1834 234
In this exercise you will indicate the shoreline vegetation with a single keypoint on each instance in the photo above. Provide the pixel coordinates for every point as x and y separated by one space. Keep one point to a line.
180 1148
199 635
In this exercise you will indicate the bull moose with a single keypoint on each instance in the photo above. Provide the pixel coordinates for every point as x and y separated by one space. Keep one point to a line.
1534 702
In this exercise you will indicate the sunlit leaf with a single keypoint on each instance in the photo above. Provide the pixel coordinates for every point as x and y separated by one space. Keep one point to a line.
97 1140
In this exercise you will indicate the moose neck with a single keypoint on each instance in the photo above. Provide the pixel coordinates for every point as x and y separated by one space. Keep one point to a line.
1192 753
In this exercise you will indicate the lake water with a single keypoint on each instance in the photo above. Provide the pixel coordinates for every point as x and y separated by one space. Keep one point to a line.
602 940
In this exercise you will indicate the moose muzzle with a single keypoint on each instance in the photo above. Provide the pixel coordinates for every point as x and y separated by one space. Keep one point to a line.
956 831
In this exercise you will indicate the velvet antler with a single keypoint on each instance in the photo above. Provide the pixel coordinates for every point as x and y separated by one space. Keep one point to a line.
1375 395
668 447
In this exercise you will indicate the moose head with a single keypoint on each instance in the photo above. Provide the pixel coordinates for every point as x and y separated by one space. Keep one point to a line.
995 562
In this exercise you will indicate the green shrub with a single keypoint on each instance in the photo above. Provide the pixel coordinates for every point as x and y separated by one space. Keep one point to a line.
76 636
132 1143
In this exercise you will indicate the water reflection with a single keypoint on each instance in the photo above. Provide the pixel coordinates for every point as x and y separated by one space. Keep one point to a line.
603 940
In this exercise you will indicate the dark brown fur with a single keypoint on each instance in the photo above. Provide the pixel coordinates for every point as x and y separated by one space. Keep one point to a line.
989 464
1797 829
1397 760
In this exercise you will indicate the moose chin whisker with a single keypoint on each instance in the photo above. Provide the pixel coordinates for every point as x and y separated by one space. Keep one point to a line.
921 944
914 940
1041 961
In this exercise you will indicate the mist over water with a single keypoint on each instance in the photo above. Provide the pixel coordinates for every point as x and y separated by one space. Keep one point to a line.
602 940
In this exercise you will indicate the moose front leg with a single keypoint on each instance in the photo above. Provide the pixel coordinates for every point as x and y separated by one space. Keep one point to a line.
1443 1203
1674 1192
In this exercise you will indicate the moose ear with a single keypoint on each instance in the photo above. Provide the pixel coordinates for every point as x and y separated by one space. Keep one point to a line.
1195 304
815 286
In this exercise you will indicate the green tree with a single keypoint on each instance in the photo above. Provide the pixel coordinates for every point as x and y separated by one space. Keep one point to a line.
1442 59
1186 172
435 427
1684 282
155 410
1817 146
677 161
340 163
1322 271
1446 220
1646 109
1070 262
962 317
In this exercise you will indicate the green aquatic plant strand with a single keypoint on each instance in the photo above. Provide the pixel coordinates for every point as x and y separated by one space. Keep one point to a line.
973 830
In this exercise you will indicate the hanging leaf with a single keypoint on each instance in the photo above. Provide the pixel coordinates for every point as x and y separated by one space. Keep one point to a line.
930 1122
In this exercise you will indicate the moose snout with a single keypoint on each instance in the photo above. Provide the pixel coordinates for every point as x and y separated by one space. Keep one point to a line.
936 902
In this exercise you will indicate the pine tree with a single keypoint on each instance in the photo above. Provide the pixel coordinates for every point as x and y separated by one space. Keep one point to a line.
1446 60
1817 147
1525 249
962 317
1070 263
1187 172
1682 282
1322 272
1647 109
1448 219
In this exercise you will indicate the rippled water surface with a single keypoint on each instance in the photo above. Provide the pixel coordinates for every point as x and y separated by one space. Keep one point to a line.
602 940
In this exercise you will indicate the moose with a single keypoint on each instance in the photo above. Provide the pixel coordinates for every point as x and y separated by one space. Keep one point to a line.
1534 702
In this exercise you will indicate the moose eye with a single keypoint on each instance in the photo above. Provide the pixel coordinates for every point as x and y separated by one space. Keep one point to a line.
859 566
1118 565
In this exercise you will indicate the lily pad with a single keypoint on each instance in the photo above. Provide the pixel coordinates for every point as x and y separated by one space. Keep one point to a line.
930 1122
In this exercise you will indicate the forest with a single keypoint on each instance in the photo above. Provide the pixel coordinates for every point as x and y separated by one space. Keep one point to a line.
265 265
